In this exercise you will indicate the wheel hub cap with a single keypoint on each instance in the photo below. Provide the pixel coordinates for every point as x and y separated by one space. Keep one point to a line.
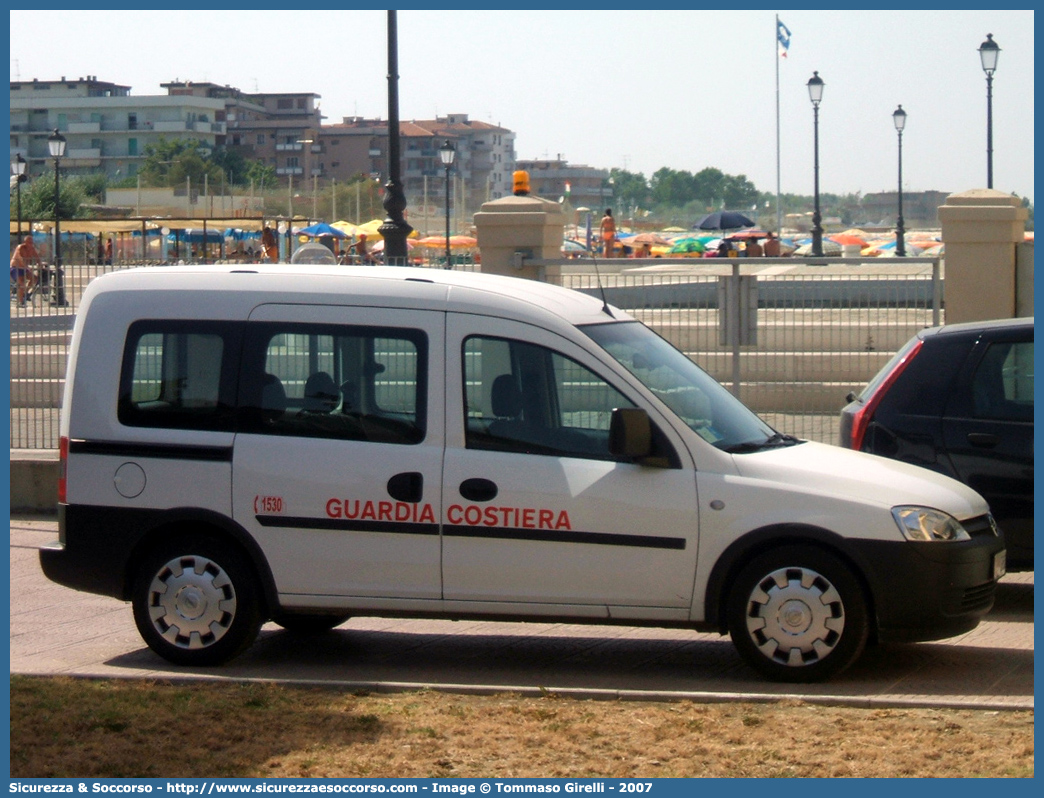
192 602
795 616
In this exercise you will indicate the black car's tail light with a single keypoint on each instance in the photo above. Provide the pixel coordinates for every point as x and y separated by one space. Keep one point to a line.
861 418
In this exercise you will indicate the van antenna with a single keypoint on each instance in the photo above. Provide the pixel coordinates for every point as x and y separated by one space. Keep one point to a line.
601 288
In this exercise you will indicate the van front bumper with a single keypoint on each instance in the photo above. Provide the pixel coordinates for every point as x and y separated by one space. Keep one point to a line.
930 591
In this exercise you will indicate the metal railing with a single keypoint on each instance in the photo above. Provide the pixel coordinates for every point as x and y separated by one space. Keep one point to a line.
791 336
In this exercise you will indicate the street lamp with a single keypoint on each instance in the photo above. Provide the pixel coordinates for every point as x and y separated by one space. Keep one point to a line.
307 143
56 145
395 228
988 53
18 170
899 118
446 155
815 93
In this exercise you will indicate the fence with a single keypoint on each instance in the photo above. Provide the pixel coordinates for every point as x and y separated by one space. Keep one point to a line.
790 337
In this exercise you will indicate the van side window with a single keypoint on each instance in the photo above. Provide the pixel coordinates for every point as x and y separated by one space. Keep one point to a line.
322 381
524 398
176 375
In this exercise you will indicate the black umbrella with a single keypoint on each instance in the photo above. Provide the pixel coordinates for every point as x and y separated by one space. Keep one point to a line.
723 220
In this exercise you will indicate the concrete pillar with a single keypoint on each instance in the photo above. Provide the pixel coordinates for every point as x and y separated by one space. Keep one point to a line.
515 226
981 229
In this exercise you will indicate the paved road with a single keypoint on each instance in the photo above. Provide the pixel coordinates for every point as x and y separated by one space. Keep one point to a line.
58 631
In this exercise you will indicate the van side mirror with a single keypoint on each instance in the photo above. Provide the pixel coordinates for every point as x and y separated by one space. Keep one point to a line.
630 433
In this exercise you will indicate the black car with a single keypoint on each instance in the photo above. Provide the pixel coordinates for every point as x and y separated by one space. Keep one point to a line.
959 400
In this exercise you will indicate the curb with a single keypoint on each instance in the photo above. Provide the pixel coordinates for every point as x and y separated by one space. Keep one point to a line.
34 481
594 694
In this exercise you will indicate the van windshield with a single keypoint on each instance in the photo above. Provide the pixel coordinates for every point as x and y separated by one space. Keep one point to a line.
697 398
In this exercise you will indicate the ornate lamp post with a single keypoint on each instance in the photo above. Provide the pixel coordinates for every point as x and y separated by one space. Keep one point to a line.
18 170
899 118
56 145
988 53
395 228
446 155
815 93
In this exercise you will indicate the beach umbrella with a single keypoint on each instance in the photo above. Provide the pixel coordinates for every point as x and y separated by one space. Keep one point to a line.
690 247
723 220
746 235
572 245
830 248
322 229
455 242
345 227
652 239
845 239
195 235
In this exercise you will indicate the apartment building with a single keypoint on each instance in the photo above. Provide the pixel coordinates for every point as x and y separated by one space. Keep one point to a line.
106 128
583 186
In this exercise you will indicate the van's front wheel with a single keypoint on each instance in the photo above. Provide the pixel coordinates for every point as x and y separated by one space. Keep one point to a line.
798 614
196 603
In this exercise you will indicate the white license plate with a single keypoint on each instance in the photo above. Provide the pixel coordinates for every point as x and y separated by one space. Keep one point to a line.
1000 564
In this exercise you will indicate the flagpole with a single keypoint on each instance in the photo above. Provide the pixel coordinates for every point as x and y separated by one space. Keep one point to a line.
775 52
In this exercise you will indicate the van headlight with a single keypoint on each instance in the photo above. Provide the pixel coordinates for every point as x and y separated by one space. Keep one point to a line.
926 524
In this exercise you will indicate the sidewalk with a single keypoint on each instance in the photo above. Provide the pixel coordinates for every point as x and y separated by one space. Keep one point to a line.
57 631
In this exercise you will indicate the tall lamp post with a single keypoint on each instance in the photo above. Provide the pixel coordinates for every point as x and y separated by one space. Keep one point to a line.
988 53
18 170
815 93
56 145
395 228
899 118
446 155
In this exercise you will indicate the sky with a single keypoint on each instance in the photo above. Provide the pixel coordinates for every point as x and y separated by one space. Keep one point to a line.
636 90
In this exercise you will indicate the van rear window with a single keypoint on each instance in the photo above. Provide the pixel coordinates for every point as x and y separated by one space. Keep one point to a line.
176 375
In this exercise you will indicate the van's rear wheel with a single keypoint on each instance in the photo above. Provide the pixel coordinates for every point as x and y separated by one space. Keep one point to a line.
196 602
798 614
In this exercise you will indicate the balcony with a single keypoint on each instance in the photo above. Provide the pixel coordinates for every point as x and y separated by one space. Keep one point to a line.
84 127
84 157
171 126
294 147
289 170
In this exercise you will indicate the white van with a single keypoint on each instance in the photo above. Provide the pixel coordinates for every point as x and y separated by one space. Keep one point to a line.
312 443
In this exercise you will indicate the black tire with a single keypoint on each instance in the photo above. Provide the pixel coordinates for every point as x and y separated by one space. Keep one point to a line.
798 614
196 601
310 624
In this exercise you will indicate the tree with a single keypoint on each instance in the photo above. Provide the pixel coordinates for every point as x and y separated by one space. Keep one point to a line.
261 175
671 187
739 192
232 164
709 187
169 162
629 189
38 198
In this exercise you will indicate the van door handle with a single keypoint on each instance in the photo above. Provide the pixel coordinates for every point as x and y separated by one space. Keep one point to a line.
982 440
478 489
407 487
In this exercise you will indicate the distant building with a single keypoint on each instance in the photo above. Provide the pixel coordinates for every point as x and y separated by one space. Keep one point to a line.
920 208
583 186
106 129
483 163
